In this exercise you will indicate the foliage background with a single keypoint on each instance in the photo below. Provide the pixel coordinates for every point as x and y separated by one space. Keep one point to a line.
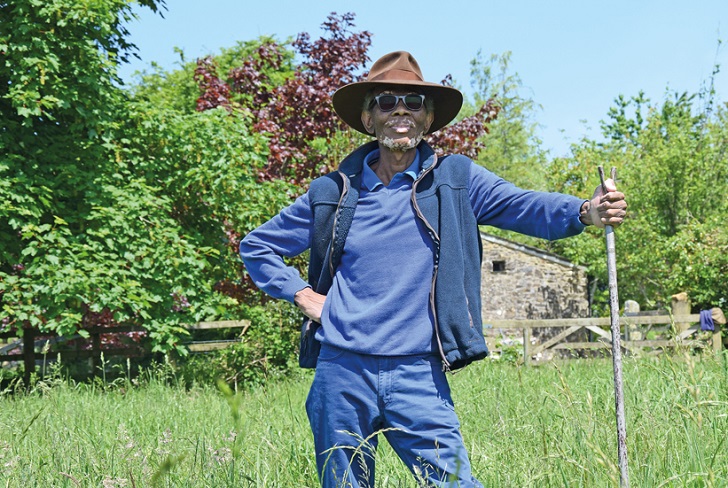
125 204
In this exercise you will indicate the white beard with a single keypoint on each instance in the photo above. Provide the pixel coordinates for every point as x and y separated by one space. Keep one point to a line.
399 146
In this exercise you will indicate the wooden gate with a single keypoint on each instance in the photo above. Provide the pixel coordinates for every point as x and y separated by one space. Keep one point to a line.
637 330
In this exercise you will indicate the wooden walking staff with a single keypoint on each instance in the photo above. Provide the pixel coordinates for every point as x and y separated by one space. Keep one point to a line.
616 345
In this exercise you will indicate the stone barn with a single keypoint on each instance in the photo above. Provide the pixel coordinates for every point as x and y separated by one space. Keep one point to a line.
523 282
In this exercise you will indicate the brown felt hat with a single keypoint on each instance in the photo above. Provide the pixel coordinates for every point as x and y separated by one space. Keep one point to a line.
396 69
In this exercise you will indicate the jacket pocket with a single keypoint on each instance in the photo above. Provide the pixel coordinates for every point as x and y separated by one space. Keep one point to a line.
309 347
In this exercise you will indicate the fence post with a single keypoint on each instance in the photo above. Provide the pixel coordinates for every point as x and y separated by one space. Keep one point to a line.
718 322
717 340
95 352
527 345
681 306
631 308
28 353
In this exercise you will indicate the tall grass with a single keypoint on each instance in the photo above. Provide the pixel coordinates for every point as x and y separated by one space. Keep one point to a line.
552 425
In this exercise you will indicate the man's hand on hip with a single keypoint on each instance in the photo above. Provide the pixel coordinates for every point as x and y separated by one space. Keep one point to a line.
310 303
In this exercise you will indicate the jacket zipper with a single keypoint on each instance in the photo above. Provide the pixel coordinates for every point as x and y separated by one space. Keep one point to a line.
436 240
344 192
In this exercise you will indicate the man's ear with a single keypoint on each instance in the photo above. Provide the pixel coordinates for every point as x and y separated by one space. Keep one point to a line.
367 121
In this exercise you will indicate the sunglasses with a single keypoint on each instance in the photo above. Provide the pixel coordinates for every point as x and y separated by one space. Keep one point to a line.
388 102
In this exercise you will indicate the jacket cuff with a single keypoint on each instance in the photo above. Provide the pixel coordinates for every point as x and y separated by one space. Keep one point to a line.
293 286
574 220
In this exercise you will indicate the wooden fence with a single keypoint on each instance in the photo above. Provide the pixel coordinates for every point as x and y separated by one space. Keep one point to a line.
676 331
78 347
206 346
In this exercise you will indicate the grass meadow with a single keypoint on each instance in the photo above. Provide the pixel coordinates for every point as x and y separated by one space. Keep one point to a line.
551 425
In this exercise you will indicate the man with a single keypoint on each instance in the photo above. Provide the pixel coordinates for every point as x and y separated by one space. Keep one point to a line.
393 297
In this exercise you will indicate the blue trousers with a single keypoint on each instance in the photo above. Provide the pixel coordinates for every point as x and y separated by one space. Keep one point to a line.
355 397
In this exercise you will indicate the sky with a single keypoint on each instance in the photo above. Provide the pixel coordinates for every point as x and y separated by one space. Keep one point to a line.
573 57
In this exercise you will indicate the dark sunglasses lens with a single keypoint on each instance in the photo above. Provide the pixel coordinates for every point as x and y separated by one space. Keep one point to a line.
413 102
387 102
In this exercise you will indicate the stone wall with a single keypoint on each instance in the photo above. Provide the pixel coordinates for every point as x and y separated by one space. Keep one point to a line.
521 282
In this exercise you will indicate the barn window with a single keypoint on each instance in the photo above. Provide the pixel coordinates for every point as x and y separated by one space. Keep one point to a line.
499 266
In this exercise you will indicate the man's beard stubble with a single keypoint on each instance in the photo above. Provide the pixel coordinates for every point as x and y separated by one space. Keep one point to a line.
396 146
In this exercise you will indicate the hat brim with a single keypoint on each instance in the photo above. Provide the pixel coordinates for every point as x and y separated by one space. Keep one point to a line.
348 101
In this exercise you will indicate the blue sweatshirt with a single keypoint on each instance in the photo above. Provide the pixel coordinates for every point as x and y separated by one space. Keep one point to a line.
379 300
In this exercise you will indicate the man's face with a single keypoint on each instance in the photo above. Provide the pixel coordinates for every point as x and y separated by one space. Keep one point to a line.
400 129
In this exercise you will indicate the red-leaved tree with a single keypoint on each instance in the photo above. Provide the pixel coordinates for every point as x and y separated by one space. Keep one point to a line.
300 111
465 136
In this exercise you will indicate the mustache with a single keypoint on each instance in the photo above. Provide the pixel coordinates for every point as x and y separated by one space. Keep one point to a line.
399 122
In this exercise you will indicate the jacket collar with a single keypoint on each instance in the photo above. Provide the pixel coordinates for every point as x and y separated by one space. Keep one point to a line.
353 165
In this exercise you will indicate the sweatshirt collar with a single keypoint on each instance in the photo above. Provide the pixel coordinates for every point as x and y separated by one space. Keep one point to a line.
353 164
370 179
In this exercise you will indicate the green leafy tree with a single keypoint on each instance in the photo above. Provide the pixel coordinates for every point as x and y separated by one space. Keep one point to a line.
671 162
178 90
87 234
511 148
